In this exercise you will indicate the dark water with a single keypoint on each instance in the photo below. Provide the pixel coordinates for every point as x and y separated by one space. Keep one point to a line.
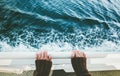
66 24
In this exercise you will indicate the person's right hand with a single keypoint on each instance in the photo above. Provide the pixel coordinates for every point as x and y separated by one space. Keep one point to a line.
78 60
77 53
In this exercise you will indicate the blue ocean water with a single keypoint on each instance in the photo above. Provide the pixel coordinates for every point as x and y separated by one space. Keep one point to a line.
60 25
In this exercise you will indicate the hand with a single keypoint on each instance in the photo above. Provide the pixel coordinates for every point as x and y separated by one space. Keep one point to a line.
78 61
76 54
43 64
43 55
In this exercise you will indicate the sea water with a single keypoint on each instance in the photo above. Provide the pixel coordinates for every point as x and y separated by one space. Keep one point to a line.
60 25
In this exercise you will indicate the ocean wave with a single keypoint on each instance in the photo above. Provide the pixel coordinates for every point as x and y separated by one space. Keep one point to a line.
78 23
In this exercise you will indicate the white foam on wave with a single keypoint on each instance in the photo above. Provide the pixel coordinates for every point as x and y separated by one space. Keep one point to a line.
21 47
106 46
7 48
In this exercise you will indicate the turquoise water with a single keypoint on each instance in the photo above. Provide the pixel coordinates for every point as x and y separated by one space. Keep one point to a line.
59 25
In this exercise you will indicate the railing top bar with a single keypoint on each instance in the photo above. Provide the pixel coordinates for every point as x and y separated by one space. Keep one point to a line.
55 55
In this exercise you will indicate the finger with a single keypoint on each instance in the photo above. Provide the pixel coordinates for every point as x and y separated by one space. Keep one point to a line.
45 55
42 56
77 53
73 54
50 58
37 56
84 55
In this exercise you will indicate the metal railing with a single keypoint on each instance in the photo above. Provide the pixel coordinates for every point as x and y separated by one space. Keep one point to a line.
96 61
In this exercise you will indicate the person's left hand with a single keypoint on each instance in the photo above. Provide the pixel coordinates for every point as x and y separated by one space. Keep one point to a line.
43 55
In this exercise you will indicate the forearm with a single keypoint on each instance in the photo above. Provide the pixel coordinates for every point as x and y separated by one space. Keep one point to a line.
85 74
82 73
43 68
79 66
